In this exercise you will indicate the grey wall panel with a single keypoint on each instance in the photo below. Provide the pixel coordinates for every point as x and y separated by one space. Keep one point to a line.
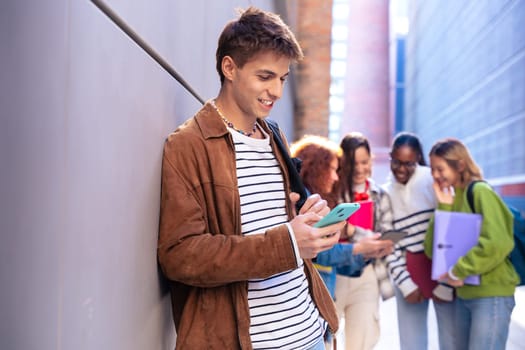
117 119
84 114
465 79
194 28
32 185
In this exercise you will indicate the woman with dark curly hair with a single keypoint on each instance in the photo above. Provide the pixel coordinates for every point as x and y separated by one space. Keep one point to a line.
320 162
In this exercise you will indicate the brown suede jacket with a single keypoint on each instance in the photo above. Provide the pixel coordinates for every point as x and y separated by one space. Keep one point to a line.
201 249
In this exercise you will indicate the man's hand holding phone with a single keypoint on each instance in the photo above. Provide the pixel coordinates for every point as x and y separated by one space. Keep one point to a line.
310 239
340 213
313 240
313 204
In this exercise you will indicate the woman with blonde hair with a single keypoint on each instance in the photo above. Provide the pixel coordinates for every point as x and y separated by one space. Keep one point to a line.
482 312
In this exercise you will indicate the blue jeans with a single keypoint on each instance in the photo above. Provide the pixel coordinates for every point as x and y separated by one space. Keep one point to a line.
318 346
413 327
483 323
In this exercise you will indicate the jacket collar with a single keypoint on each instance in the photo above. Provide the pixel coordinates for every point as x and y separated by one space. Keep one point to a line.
211 124
374 187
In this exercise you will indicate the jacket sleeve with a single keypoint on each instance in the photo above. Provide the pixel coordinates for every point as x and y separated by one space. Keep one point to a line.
496 238
384 215
429 238
397 267
354 270
396 263
341 255
187 250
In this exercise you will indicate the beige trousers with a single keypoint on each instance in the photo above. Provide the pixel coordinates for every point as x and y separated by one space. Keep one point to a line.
357 301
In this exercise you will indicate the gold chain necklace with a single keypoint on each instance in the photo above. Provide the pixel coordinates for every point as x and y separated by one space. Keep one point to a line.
230 124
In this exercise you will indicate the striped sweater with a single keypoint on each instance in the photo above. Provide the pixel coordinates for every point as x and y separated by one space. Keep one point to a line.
412 204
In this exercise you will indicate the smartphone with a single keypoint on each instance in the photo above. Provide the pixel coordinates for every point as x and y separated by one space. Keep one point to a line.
393 235
340 213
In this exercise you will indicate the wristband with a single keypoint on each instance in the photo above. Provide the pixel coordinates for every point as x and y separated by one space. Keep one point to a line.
451 275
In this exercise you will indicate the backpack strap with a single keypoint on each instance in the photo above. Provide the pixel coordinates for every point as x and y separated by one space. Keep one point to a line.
292 164
470 194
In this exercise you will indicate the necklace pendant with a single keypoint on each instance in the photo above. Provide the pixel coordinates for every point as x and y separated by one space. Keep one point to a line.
230 124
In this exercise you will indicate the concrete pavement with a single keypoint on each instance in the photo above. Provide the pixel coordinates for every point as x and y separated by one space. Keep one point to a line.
389 339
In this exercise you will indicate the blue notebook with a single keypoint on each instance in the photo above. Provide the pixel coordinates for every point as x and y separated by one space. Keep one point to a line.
454 235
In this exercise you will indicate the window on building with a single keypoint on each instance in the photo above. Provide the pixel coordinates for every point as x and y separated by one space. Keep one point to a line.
338 66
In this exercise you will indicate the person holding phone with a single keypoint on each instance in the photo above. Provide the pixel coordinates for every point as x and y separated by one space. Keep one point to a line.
236 254
357 298
320 161
413 202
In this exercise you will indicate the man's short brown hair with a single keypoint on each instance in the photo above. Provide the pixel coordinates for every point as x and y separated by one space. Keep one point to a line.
253 32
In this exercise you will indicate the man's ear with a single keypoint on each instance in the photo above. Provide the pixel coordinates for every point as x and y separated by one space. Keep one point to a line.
228 67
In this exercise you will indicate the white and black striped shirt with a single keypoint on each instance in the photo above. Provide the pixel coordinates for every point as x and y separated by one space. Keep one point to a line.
413 204
283 315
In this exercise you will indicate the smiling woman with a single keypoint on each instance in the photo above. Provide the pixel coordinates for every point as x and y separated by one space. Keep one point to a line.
406 154
357 299
413 202
320 160
482 311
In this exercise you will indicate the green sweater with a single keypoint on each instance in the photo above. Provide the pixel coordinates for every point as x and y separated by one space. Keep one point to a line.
490 257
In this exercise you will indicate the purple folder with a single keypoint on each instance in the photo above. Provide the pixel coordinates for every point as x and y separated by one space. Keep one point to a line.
454 235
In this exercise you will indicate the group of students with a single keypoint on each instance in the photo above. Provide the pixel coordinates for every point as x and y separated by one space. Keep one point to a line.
238 253
468 316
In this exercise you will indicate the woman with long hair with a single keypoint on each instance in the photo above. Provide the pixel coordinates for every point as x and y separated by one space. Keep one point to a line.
320 162
482 312
357 298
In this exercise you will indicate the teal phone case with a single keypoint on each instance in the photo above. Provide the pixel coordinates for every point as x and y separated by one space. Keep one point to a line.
340 213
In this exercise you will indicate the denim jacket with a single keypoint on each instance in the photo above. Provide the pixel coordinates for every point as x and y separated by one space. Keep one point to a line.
339 260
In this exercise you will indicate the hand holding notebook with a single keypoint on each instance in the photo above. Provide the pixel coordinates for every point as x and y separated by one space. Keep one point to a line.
364 217
454 235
